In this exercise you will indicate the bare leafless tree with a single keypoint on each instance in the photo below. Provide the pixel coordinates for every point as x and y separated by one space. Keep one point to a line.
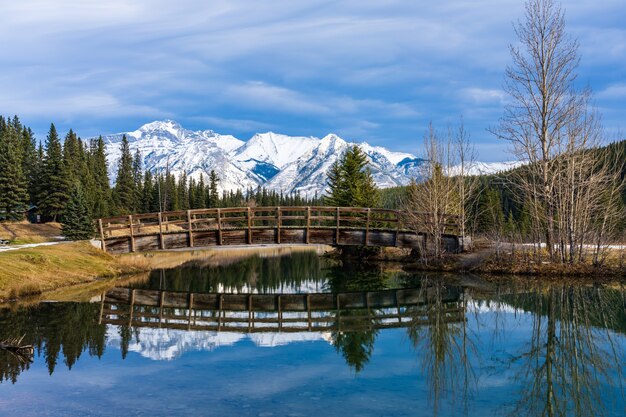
433 200
566 182
466 184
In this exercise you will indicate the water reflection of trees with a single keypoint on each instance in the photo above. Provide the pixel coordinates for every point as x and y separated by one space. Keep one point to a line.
356 346
572 353
263 274
439 335
56 330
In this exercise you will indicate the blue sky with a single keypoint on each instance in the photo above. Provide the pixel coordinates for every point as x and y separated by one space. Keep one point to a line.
375 71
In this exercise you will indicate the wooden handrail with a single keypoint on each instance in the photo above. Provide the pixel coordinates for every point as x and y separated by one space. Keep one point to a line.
195 222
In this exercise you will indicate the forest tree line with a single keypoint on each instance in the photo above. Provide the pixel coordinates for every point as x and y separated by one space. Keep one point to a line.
52 176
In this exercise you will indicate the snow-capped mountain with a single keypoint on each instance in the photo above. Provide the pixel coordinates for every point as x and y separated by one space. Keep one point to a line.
277 162
169 344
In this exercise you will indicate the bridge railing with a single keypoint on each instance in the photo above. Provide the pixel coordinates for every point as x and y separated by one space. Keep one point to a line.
237 218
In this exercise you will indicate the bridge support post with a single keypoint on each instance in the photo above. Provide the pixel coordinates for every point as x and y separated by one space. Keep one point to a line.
132 233
219 227
279 220
337 228
249 217
161 243
103 245
367 227
308 225
190 225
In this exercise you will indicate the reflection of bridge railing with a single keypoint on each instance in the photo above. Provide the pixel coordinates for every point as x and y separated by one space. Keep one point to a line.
315 312
263 225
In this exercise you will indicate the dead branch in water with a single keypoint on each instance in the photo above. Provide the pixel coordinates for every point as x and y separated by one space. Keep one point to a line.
15 347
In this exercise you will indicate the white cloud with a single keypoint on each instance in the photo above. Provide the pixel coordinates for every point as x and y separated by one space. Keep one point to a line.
614 91
478 95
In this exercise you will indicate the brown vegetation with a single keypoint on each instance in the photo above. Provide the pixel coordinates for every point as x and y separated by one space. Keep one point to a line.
24 232
35 270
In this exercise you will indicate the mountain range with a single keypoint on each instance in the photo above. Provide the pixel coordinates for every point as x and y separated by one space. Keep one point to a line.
291 164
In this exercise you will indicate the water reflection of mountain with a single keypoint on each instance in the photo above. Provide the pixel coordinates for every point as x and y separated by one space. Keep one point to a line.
168 344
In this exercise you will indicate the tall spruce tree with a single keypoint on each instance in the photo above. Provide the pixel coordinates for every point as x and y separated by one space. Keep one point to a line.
30 163
125 183
55 190
102 197
350 181
213 195
147 200
138 180
77 221
13 184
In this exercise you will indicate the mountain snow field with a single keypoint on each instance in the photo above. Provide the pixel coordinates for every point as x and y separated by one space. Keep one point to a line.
291 164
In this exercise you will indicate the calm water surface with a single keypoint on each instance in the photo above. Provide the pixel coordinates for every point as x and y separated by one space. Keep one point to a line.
367 342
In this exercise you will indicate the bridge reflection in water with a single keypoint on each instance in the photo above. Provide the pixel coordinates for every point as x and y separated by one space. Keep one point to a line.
315 312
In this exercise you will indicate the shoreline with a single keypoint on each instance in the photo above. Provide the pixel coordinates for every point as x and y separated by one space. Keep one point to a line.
30 273
59 270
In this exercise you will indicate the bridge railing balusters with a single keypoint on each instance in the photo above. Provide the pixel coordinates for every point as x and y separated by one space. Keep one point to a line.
239 225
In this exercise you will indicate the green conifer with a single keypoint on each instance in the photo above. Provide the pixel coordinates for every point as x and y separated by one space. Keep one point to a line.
54 192
13 184
77 221
350 181
125 184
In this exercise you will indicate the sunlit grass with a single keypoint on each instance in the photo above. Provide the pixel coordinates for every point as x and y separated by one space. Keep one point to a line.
35 270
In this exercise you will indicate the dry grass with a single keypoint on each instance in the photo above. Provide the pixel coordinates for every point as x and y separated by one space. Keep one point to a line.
24 232
35 270
79 271
523 262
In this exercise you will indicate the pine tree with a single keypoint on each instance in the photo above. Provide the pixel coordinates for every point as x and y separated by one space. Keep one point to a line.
147 200
77 222
200 195
138 182
30 163
13 184
102 196
125 183
213 195
54 192
72 157
350 181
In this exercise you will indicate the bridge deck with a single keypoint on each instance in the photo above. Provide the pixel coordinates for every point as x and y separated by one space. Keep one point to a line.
264 225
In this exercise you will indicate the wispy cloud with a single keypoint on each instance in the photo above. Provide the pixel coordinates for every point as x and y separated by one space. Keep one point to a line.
377 70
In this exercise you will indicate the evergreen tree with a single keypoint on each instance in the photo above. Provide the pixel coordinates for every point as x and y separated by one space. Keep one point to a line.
30 163
350 181
72 158
147 200
13 184
125 183
77 221
213 194
102 196
138 182
183 195
54 192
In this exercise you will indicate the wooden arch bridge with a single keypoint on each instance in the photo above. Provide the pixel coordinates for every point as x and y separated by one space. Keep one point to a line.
336 226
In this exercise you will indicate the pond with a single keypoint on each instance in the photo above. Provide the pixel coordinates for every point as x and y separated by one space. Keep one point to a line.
300 335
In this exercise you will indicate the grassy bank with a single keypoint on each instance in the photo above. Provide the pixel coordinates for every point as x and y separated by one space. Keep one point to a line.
35 270
19 233
77 270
